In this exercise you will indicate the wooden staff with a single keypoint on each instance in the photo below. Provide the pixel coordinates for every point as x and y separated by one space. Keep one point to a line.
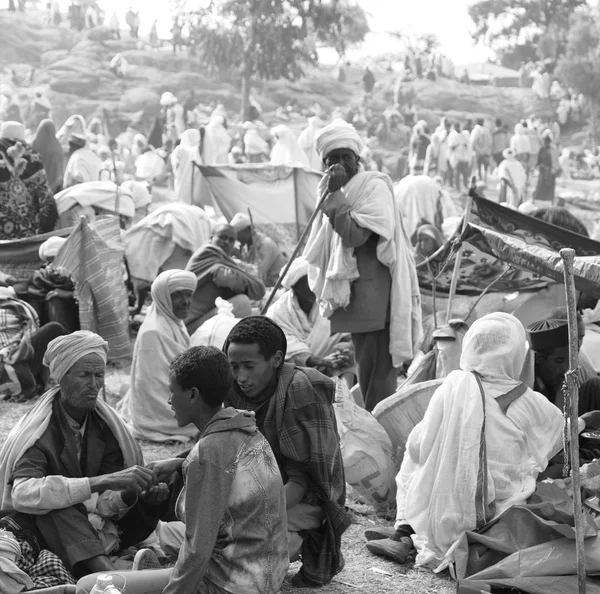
459 255
572 402
295 253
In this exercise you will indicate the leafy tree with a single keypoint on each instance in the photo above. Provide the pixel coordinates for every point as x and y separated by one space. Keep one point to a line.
417 43
340 25
579 68
267 39
524 26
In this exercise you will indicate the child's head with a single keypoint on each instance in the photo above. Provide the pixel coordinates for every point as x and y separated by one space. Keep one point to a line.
199 381
256 349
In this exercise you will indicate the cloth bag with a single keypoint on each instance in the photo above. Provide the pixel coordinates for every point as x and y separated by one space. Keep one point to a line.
367 451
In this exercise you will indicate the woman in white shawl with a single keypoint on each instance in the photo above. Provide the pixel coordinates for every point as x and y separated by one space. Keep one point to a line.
306 140
217 142
521 144
309 339
287 150
183 158
161 337
513 179
484 439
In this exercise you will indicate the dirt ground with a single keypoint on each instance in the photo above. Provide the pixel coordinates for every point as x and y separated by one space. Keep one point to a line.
364 572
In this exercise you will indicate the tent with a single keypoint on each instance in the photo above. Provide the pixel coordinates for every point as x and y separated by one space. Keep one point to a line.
277 196
497 235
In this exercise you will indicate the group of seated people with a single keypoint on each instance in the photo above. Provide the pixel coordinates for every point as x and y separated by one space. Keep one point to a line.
253 492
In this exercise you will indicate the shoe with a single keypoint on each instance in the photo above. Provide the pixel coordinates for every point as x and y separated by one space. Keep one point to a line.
379 532
301 581
145 559
392 549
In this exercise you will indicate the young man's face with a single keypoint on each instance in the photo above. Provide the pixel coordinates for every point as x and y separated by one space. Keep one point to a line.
250 369
180 402
552 367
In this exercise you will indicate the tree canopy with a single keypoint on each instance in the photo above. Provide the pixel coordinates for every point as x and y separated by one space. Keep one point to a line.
269 39
524 28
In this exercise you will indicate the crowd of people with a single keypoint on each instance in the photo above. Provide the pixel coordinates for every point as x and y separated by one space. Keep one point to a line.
260 481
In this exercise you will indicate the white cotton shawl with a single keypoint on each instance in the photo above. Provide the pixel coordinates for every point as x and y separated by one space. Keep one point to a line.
33 425
437 481
186 177
160 339
217 141
287 150
333 267
418 197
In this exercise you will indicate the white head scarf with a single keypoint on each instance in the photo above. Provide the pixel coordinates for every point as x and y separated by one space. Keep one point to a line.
240 221
287 150
298 269
190 138
168 282
495 347
63 352
338 135
12 131
50 247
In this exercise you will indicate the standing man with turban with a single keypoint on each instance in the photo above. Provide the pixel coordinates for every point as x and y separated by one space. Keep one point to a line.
71 472
361 266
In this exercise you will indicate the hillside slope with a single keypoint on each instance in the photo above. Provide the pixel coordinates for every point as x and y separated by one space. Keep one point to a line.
73 69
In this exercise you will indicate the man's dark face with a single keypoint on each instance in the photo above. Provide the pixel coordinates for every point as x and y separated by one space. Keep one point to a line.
552 366
347 158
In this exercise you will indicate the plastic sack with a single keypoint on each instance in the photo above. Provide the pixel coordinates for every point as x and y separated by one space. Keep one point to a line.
216 329
366 451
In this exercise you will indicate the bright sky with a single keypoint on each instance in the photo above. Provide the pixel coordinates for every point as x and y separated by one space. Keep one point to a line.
448 19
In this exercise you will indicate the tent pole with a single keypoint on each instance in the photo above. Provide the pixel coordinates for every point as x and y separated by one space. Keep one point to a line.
572 401
295 253
459 254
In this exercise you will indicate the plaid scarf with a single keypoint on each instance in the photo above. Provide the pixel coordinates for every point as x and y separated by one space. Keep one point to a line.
299 424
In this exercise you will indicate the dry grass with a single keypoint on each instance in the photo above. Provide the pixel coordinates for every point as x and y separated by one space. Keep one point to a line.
364 572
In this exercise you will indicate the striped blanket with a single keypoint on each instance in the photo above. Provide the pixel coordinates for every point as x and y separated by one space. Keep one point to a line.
93 256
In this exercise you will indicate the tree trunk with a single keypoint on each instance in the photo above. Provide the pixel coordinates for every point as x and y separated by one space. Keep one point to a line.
246 78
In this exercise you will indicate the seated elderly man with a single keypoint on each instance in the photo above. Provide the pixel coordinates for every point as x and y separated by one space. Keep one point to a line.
482 419
71 472
294 411
258 249
310 342
219 275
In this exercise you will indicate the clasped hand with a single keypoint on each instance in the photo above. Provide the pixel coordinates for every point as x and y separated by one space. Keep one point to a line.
338 178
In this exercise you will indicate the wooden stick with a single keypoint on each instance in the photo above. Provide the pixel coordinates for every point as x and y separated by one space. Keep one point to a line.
295 253
459 255
572 400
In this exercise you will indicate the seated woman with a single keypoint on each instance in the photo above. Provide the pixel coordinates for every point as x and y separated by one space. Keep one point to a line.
161 337
50 291
309 339
484 440
429 241
219 275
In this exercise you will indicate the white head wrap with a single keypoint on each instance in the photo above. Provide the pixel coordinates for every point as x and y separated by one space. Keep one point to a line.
63 352
167 98
139 192
168 282
495 347
50 247
240 221
12 130
337 135
298 269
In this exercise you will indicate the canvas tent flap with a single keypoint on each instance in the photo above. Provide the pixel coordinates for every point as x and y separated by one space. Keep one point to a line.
276 195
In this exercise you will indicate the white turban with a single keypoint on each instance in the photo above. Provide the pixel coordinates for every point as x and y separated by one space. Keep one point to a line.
12 131
240 221
337 135
169 282
50 247
63 352
298 269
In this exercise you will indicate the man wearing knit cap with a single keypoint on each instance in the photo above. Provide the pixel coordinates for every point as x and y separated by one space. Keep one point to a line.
361 266
71 472
549 340
258 249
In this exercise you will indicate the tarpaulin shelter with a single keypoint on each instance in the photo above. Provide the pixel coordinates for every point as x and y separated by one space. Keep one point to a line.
277 195
93 256
20 257
497 235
